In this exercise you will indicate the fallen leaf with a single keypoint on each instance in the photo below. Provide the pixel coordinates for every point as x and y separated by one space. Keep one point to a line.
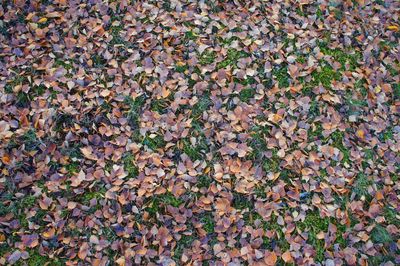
270 258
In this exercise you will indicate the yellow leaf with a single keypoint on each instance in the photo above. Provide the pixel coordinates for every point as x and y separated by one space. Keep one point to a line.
321 235
49 233
393 28
207 170
42 20
105 93
120 261
360 133
165 92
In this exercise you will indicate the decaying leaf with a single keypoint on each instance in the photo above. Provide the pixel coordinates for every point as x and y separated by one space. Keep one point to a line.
199 132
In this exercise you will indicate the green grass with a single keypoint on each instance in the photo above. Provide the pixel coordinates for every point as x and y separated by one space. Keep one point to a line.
355 102
391 216
301 59
159 105
37 259
134 109
246 94
5 249
343 57
232 57
72 168
156 203
325 76
208 222
315 134
181 68
38 90
23 100
106 107
396 91
278 240
129 165
73 151
38 218
195 152
314 109
30 140
241 201
204 181
201 106
190 36
183 243
98 61
17 207
257 142
18 79
115 31
361 185
259 192
246 81
61 62
281 75
368 155
207 57
272 164
63 121
226 42
86 197
387 134
155 143
337 138
109 233
313 224
380 235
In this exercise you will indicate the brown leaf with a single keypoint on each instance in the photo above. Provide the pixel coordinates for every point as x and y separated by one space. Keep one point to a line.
30 241
83 251
14 257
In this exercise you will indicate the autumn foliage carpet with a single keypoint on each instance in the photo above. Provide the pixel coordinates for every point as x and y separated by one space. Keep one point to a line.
199 132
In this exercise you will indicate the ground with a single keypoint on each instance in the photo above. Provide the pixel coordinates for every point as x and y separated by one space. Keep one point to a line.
199 133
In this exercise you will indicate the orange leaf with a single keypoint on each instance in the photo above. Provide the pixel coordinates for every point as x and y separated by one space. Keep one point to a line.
393 28
83 251
6 159
287 257
361 134
271 259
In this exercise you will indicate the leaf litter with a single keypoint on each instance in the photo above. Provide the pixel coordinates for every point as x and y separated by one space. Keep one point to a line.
199 132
